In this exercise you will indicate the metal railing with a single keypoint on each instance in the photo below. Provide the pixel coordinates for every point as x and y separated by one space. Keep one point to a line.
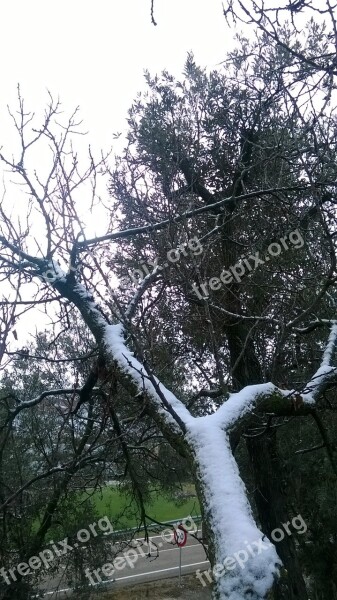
120 533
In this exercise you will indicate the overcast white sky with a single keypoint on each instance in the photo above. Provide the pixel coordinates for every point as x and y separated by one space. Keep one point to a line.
93 54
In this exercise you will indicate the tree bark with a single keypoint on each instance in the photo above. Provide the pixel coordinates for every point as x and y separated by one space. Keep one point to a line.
264 460
271 505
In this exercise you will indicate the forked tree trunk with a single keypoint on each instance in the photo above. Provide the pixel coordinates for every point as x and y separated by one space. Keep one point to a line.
226 510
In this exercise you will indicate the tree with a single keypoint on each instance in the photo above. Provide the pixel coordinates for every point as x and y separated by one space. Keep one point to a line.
154 134
215 166
48 453
270 18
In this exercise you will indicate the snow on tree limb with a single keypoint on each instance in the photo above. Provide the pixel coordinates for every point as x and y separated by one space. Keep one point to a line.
241 403
331 346
226 507
229 514
115 345
226 502
325 371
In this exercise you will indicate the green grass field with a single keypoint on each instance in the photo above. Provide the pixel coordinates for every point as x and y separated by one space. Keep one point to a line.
120 510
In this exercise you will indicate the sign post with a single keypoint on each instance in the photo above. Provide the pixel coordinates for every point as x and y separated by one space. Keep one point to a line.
180 536
180 565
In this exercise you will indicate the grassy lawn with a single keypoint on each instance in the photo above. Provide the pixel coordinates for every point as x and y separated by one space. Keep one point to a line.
118 507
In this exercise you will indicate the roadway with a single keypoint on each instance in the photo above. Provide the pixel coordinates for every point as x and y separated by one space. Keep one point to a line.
139 563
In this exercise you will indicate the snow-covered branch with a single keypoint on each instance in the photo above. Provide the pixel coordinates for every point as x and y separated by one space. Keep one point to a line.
228 513
325 371
241 403
166 403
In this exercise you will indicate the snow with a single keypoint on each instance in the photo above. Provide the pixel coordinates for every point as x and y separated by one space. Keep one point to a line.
114 342
226 500
230 514
241 403
58 274
81 291
313 387
330 347
325 371
226 503
92 305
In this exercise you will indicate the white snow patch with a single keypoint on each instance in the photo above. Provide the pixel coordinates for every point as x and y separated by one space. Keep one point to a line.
324 372
331 345
115 343
240 403
92 305
230 513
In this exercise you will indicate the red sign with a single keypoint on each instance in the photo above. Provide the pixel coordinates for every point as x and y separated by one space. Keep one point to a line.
180 536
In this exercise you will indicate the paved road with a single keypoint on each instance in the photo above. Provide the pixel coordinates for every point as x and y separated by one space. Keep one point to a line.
157 560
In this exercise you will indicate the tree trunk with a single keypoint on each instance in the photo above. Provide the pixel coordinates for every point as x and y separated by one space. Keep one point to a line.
246 370
241 567
267 470
271 505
